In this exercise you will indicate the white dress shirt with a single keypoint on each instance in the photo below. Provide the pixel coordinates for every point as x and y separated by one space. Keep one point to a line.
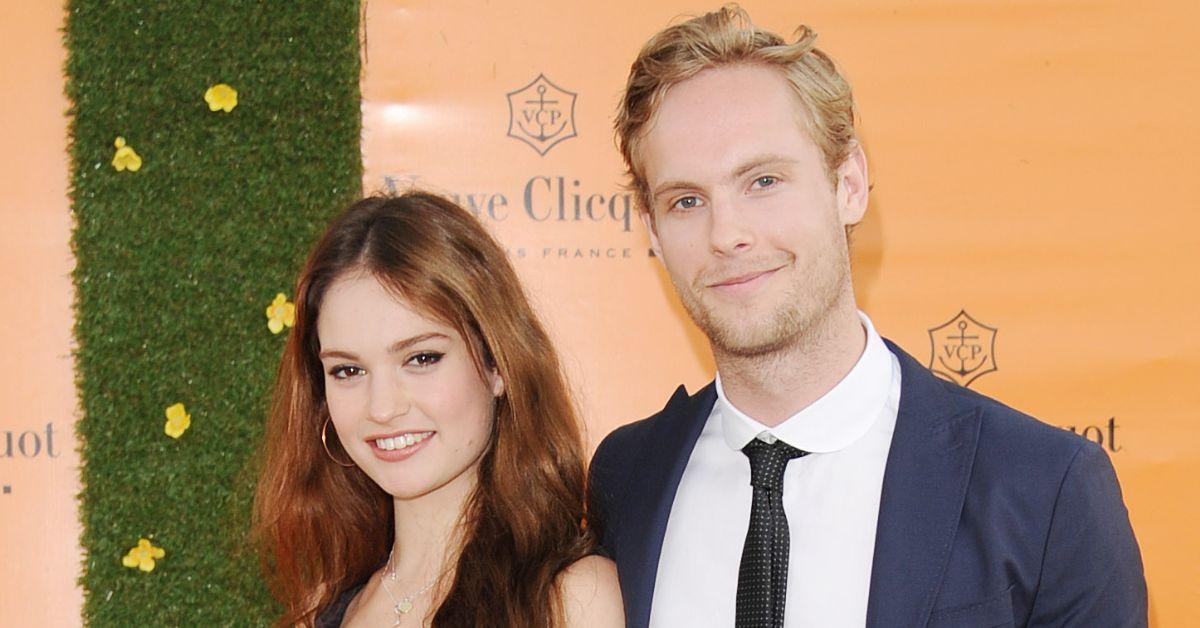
831 498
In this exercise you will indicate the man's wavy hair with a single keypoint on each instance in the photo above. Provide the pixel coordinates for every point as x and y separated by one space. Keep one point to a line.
727 37
324 528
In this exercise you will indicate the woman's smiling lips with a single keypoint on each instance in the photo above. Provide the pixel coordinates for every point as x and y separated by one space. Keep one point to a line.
398 446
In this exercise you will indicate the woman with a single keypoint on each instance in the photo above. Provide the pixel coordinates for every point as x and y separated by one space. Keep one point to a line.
424 463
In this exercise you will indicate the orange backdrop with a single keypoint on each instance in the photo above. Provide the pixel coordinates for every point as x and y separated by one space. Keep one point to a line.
39 529
1030 163
1030 168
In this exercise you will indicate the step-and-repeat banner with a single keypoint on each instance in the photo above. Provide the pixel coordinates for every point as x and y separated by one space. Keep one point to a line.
1032 231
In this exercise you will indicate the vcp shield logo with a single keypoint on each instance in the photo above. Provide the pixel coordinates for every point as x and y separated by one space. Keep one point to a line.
962 349
541 114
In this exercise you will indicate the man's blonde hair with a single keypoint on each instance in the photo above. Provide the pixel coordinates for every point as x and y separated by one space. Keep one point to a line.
727 37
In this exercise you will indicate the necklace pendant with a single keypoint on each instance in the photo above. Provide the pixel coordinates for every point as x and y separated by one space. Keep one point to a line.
404 607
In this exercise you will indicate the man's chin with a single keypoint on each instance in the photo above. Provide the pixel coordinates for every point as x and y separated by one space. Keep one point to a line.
743 331
750 347
737 338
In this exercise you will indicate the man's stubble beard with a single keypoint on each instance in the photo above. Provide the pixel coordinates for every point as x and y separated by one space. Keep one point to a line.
801 312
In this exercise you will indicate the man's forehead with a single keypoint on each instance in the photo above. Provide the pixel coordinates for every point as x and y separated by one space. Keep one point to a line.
720 120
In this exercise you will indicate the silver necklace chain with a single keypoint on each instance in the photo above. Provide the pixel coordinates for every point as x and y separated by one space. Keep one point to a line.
402 606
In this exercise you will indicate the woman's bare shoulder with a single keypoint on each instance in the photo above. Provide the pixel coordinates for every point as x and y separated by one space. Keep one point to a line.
591 594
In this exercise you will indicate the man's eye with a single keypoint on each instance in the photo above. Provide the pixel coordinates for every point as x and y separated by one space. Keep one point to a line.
687 202
345 371
426 358
765 182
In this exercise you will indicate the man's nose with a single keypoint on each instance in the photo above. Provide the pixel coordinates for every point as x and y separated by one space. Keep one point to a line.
728 230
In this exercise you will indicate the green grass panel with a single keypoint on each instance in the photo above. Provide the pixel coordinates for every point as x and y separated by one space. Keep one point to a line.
175 265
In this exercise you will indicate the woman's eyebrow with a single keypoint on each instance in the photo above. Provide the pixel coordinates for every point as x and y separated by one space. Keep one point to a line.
399 345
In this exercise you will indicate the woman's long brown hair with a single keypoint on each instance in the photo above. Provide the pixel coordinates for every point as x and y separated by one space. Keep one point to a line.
325 528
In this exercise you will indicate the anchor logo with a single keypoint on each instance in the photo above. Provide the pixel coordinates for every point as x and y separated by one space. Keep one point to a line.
541 114
962 349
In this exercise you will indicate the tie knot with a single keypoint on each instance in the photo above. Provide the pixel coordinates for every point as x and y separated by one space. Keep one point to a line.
768 461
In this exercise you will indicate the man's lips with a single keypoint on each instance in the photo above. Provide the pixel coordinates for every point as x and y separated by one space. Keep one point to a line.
743 279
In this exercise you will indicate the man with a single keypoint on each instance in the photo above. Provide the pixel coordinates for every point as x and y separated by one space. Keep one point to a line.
825 478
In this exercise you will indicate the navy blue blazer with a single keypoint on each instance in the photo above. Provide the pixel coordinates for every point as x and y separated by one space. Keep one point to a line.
987 518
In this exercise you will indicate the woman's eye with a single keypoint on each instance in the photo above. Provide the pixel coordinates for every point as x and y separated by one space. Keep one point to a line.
687 202
426 358
764 182
345 371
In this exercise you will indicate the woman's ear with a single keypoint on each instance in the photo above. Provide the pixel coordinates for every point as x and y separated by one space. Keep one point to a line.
497 383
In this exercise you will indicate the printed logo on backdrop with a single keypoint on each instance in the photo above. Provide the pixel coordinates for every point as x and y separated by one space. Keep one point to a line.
962 349
548 202
541 114
26 444
554 203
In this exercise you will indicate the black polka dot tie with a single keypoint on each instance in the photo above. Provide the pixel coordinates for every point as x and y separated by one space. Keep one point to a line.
762 578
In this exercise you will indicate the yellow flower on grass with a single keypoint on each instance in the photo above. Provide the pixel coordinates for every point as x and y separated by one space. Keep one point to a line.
280 314
178 420
143 556
125 158
221 97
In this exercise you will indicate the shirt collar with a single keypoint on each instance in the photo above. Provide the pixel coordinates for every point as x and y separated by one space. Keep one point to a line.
832 422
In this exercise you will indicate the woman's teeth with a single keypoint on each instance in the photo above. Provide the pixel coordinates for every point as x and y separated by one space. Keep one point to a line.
402 441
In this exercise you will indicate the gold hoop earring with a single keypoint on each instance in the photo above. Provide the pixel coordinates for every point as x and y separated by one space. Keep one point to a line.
325 446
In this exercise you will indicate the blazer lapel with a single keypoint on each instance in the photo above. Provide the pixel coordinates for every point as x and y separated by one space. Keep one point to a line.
924 485
655 479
